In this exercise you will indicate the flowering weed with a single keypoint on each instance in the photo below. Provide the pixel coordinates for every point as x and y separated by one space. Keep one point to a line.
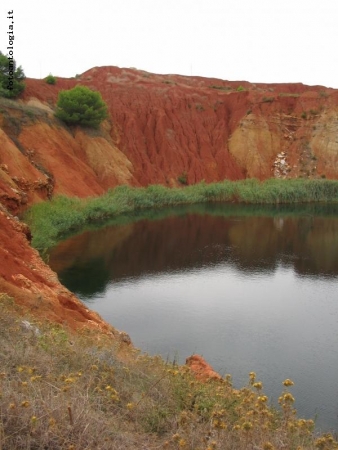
64 391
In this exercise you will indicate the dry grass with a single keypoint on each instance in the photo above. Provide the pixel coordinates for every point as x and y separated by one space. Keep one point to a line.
64 391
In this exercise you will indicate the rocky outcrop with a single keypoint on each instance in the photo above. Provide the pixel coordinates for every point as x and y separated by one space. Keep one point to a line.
201 369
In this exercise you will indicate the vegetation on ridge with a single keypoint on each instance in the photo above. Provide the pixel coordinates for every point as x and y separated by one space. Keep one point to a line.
50 79
49 221
11 77
81 106
83 391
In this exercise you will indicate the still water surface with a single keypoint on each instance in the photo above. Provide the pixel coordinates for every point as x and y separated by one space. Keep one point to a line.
250 290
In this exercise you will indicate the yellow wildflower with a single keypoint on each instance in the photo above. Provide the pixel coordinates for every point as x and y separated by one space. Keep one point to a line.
247 426
320 442
288 398
268 446
288 382
35 378
52 422
310 423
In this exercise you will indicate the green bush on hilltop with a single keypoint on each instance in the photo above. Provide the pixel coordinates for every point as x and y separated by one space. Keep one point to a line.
81 106
50 79
11 77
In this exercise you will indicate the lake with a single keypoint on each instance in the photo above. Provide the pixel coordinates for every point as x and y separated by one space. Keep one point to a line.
249 288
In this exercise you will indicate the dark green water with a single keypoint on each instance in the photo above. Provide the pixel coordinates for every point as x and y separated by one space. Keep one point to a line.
249 288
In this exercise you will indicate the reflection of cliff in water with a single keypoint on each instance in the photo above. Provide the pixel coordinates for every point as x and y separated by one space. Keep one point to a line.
250 244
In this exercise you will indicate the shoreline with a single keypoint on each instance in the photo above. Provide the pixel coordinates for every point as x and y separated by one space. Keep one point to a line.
50 221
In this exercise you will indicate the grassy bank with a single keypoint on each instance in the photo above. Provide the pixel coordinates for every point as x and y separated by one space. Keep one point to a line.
75 392
50 221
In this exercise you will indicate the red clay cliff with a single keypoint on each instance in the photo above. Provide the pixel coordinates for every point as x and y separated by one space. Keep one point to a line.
161 129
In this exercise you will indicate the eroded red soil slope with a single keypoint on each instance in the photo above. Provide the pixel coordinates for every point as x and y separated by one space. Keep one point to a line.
25 277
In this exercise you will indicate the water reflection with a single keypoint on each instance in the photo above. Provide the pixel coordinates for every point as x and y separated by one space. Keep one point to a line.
252 244
250 289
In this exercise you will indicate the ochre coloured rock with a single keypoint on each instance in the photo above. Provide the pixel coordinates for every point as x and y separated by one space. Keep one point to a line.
201 369
34 286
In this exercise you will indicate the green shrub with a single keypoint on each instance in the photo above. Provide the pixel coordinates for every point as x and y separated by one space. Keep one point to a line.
183 178
288 94
30 114
11 78
221 88
81 106
50 79
268 99
240 89
168 82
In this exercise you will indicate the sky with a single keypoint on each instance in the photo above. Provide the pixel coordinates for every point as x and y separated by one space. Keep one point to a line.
267 41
